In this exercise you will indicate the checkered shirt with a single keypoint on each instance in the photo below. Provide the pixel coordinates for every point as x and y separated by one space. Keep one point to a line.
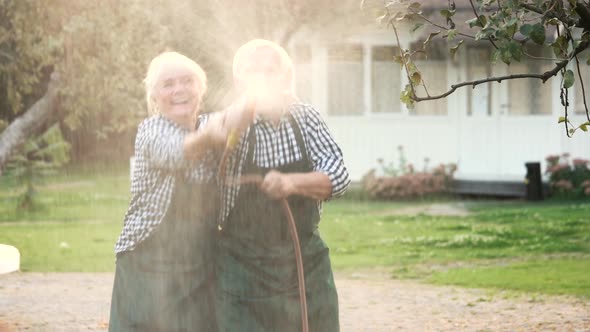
159 161
277 147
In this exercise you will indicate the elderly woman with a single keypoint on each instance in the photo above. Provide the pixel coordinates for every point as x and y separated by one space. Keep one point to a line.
290 146
163 277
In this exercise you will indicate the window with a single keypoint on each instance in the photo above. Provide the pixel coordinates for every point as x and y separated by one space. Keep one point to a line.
478 67
303 73
385 80
345 80
433 68
585 72
528 96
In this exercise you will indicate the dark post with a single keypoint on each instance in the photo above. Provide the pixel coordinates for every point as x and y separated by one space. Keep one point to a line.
534 186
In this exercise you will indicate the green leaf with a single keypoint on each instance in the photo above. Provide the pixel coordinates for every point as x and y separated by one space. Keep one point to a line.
560 46
510 30
474 22
430 36
515 50
451 34
480 21
416 27
485 33
526 29
415 6
505 56
561 119
568 79
537 33
455 48
416 77
584 127
446 13
496 55
406 97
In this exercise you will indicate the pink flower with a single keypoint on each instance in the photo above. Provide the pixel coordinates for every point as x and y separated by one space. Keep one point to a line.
578 162
552 159
557 168
587 191
585 184
565 185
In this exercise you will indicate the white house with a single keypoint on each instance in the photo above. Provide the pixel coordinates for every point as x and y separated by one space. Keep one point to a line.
489 131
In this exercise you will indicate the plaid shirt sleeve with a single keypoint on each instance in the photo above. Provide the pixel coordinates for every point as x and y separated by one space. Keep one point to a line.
161 144
324 153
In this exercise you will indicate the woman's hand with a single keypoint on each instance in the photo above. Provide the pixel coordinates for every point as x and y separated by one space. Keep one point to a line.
240 114
215 131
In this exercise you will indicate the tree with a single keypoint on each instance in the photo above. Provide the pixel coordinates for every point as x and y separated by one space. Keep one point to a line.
100 50
510 27
27 52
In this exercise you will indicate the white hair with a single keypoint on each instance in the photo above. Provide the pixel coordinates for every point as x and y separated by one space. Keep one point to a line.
245 51
155 69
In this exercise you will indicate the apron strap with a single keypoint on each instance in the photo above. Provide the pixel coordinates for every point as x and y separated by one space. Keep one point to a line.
251 145
299 139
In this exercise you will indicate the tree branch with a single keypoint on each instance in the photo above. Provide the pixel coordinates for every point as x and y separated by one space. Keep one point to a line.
544 77
550 12
532 8
582 86
438 25
30 123
584 12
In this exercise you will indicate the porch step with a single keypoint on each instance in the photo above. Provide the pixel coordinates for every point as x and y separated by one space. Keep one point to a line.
490 188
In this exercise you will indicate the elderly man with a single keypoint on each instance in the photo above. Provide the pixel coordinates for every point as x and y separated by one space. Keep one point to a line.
288 144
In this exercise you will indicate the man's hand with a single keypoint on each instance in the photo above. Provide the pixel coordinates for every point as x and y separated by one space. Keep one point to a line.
277 185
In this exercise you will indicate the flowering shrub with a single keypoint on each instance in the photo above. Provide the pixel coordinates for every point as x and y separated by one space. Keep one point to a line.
405 183
568 179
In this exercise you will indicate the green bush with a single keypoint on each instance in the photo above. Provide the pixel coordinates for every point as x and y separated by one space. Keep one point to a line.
568 179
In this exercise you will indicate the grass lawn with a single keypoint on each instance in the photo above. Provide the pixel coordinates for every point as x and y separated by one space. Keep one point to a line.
540 247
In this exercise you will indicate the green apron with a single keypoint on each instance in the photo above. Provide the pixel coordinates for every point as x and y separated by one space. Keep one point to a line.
166 282
256 270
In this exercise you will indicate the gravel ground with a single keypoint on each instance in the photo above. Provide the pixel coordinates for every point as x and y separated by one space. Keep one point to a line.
368 302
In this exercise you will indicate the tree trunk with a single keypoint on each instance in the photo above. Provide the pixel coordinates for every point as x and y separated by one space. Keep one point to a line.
30 123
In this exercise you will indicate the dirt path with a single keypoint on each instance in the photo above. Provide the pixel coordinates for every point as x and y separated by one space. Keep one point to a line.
371 302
